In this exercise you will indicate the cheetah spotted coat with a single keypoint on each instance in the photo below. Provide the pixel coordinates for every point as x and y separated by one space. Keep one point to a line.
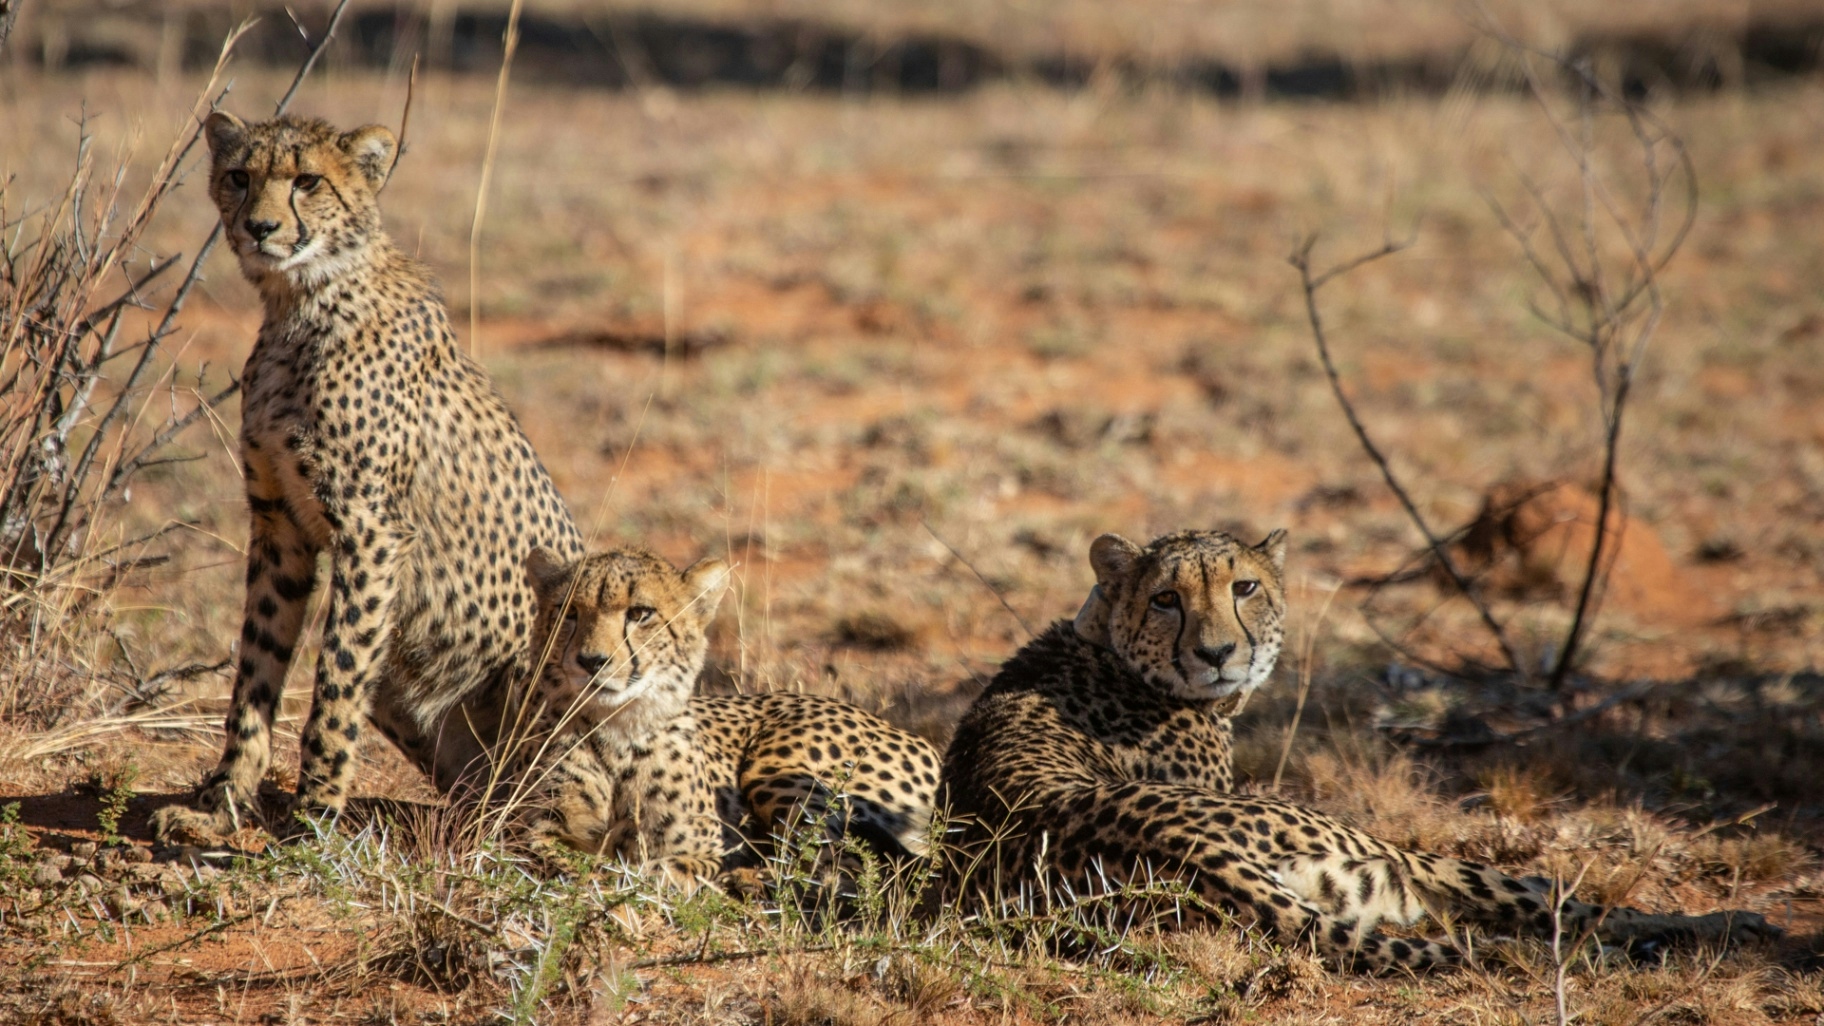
367 435
1094 760
625 762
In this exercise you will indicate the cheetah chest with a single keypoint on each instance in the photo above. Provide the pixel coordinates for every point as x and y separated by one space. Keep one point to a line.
299 430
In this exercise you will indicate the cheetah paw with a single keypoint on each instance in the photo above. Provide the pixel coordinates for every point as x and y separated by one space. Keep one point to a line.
182 824
745 883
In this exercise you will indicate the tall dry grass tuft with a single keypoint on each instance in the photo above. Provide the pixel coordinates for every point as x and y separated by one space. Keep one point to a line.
89 398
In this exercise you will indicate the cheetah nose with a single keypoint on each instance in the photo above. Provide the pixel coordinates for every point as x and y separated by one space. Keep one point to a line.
591 661
260 229
1216 656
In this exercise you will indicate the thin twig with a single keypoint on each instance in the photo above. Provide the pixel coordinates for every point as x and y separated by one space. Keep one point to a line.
1647 1016
1560 960
992 590
1622 697
1301 261
310 59
510 43
195 274
1598 306
117 409
143 458
716 957
405 122
206 931
1304 686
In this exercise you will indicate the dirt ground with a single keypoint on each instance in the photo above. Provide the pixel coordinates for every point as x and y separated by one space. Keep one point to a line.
901 360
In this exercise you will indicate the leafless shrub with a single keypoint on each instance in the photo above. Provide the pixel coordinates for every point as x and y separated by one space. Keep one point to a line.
77 421
1596 251
78 416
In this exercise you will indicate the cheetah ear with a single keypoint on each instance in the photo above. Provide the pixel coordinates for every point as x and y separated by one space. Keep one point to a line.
1274 548
545 571
1092 620
705 580
1112 556
371 148
224 132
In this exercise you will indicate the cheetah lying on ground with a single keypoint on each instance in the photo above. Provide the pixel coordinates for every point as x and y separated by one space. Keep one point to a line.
1100 752
622 761
368 434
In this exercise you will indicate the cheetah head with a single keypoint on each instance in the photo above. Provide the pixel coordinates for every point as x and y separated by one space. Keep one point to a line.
297 197
626 624
1197 613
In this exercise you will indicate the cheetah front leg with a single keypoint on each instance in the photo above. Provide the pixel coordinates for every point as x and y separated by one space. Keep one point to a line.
651 807
281 575
369 551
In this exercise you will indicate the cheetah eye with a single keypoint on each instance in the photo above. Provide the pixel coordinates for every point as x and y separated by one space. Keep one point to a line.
640 614
1243 589
305 183
1166 600
238 179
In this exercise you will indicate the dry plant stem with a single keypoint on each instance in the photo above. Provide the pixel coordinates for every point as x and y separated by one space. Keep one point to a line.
1560 960
1593 304
206 931
516 741
1301 260
716 957
1304 687
992 590
1693 987
1630 694
88 373
510 43
405 122
1610 320
310 59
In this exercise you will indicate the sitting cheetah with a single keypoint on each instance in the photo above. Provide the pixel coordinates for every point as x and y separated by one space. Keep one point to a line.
366 433
623 761
1100 752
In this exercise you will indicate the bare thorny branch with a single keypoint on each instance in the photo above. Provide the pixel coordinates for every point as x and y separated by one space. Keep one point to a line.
53 501
1301 260
1611 307
79 410
1612 310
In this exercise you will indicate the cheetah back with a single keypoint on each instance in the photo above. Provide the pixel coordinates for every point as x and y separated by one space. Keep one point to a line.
779 757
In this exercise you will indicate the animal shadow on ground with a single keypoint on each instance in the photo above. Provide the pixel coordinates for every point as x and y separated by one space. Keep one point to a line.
86 814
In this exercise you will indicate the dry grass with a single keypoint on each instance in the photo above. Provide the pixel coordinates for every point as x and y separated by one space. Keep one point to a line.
957 340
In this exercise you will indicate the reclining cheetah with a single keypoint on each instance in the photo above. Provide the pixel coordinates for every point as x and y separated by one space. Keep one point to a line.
368 434
621 760
1101 752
